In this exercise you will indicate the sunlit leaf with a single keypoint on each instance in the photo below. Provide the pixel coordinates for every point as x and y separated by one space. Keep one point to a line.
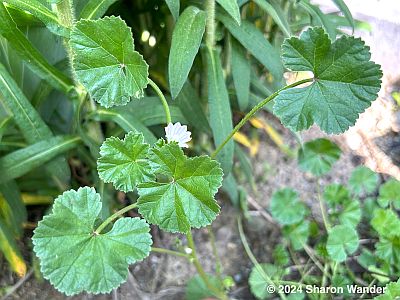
185 198
345 82
286 207
363 180
105 61
342 241
74 258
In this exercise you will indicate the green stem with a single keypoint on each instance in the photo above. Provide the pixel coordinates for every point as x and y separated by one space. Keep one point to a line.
254 260
163 100
200 270
210 25
113 217
218 265
253 111
167 251
323 208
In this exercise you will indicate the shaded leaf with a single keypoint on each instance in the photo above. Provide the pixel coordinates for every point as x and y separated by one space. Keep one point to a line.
335 194
346 12
345 82
286 207
12 209
297 234
241 74
220 109
273 9
174 7
124 162
318 156
350 214
342 241
105 61
94 9
196 289
185 44
232 8
386 223
259 282
186 198
67 246
389 193
363 180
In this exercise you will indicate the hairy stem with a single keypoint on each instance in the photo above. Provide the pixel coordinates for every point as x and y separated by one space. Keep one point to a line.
171 252
113 217
163 100
210 25
253 111
218 265
200 270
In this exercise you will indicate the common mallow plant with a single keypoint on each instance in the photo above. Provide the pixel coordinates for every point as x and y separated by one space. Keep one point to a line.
79 251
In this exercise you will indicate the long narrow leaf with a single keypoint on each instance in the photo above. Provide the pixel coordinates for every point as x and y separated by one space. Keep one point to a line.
126 121
220 109
20 162
41 12
241 74
10 250
189 103
13 210
31 55
232 8
254 41
186 40
346 12
28 120
319 16
275 11
95 9
174 7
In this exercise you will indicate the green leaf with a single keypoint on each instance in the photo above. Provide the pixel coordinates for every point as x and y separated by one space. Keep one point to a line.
12 209
286 207
20 162
335 194
187 198
389 193
31 56
232 8
254 41
342 241
386 223
363 180
74 258
273 9
196 289
124 162
345 82
388 249
259 282
185 44
280 255
190 104
174 7
105 61
345 10
321 19
95 9
351 213
220 109
9 248
392 292
318 156
297 234
41 12
241 74
126 121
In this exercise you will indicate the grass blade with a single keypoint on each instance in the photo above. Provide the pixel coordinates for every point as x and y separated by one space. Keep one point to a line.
20 162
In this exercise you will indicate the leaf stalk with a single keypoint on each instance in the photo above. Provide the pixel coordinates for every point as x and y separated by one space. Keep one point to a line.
163 100
253 111
113 217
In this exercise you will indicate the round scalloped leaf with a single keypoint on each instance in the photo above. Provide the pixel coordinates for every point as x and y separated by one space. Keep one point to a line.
286 207
187 199
389 192
342 240
105 62
74 258
386 222
124 162
363 180
318 156
345 82
335 194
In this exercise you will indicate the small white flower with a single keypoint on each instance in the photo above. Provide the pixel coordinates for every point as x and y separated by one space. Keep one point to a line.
178 133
